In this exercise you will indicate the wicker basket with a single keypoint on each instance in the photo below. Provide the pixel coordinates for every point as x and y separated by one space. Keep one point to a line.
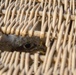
54 20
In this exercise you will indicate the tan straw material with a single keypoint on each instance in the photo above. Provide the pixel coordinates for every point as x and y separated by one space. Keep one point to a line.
53 21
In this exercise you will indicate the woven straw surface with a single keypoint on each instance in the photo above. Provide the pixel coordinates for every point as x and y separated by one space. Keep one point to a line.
54 20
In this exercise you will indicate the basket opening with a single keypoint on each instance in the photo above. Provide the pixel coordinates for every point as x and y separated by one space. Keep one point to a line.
22 44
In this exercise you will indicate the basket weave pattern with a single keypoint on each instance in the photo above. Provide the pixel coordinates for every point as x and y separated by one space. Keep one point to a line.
54 20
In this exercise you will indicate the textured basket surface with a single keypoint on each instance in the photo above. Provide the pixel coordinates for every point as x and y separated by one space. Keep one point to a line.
52 20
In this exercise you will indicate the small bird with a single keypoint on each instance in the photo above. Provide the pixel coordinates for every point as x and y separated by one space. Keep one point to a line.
22 44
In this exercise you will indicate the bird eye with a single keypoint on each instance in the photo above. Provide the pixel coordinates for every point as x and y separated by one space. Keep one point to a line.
29 45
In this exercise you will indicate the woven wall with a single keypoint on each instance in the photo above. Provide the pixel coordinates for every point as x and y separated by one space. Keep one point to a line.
52 20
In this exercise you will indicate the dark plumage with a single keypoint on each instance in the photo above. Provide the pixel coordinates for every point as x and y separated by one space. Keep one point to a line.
18 43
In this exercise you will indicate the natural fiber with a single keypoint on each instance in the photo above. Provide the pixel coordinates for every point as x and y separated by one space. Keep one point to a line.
54 20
